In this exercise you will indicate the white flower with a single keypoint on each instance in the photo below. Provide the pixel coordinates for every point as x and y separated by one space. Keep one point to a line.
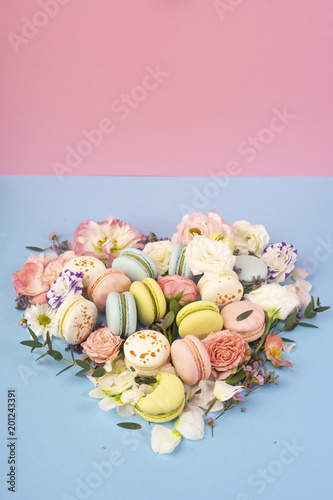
210 256
164 440
41 319
115 384
250 238
206 396
224 391
276 300
160 252
191 424
280 260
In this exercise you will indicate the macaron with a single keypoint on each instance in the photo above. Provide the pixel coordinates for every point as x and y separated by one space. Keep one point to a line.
177 264
149 299
109 280
250 328
220 237
165 403
199 319
221 289
135 264
251 267
190 359
121 316
88 266
146 351
76 318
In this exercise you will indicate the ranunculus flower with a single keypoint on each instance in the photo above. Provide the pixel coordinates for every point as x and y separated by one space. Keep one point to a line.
301 288
172 285
250 238
204 225
160 252
276 300
209 256
273 348
280 260
105 240
102 345
226 350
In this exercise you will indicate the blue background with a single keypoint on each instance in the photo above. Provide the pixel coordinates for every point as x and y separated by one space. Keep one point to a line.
64 438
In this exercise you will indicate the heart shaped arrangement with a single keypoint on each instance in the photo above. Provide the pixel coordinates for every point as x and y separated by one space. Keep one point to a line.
176 330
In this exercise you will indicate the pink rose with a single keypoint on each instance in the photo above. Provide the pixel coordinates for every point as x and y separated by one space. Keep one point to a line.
273 349
102 345
105 240
174 284
226 350
198 223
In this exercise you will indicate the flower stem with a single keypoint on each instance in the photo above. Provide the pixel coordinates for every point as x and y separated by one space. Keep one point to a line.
263 338
210 407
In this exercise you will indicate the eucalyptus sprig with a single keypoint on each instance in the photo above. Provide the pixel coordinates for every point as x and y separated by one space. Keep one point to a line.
57 356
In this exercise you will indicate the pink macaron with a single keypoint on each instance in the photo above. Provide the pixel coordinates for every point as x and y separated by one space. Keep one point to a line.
110 280
190 359
250 328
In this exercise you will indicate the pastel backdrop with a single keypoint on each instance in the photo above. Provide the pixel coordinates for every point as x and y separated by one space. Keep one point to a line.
166 87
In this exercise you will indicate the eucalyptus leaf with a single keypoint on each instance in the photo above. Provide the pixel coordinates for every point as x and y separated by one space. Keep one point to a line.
308 325
321 309
42 356
292 327
32 343
318 301
35 249
81 372
309 308
287 340
174 307
49 341
244 315
67 368
55 355
290 319
83 364
129 425
99 372
33 335
237 377
170 317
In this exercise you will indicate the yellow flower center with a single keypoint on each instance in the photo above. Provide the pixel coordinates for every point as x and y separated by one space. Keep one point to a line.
44 320
275 352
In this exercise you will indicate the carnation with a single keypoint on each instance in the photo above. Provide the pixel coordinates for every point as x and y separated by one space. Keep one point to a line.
160 252
204 255
250 239
66 285
280 260
204 225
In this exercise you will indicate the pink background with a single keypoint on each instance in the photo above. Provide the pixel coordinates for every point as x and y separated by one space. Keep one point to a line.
229 69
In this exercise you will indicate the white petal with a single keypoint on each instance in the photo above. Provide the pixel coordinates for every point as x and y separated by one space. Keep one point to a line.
288 347
107 403
191 425
224 391
97 393
126 410
190 390
196 401
164 440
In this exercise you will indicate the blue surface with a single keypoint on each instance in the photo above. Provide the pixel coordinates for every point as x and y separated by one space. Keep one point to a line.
281 447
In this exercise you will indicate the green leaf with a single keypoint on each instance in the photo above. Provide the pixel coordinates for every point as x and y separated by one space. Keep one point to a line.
99 372
129 425
287 340
237 377
309 308
292 327
174 307
179 296
308 325
318 301
49 341
132 369
32 343
81 372
42 356
244 315
290 319
67 368
321 309
145 380
35 249
311 315
55 355
72 354
170 317
84 364
33 335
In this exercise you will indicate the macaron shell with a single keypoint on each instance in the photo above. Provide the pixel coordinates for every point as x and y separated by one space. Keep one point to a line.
252 327
121 315
76 318
199 319
146 351
149 299
111 280
251 267
178 263
88 266
190 359
135 264
222 290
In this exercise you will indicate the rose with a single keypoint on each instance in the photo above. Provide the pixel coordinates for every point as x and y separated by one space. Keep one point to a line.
174 284
276 300
160 252
209 256
198 223
226 350
106 239
280 260
102 345
250 238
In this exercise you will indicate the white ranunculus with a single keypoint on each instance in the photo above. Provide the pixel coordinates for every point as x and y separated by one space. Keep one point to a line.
191 424
280 260
115 384
209 256
276 300
160 252
250 238
164 440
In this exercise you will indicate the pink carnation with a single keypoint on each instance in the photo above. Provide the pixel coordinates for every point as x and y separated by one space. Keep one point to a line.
198 223
226 350
174 284
105 240
102 345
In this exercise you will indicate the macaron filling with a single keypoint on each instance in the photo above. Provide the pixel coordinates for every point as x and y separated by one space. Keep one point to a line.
123 314
180 266
153 299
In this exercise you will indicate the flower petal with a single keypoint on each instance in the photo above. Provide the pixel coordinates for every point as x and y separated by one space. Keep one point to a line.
191 424
224 391
164 440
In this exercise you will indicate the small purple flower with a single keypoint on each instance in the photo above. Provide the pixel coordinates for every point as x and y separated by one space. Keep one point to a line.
238 397
66 285
52 236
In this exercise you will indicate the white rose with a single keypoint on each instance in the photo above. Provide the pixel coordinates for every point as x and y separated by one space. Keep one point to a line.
280 260
276 300
209 256
160 252
250 238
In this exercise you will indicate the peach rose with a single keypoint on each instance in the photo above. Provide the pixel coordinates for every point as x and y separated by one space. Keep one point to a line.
198 223
102 345
174 284
226 350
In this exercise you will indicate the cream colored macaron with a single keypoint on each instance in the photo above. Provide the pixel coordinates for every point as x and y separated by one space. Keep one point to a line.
88 266
222 289
146 351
